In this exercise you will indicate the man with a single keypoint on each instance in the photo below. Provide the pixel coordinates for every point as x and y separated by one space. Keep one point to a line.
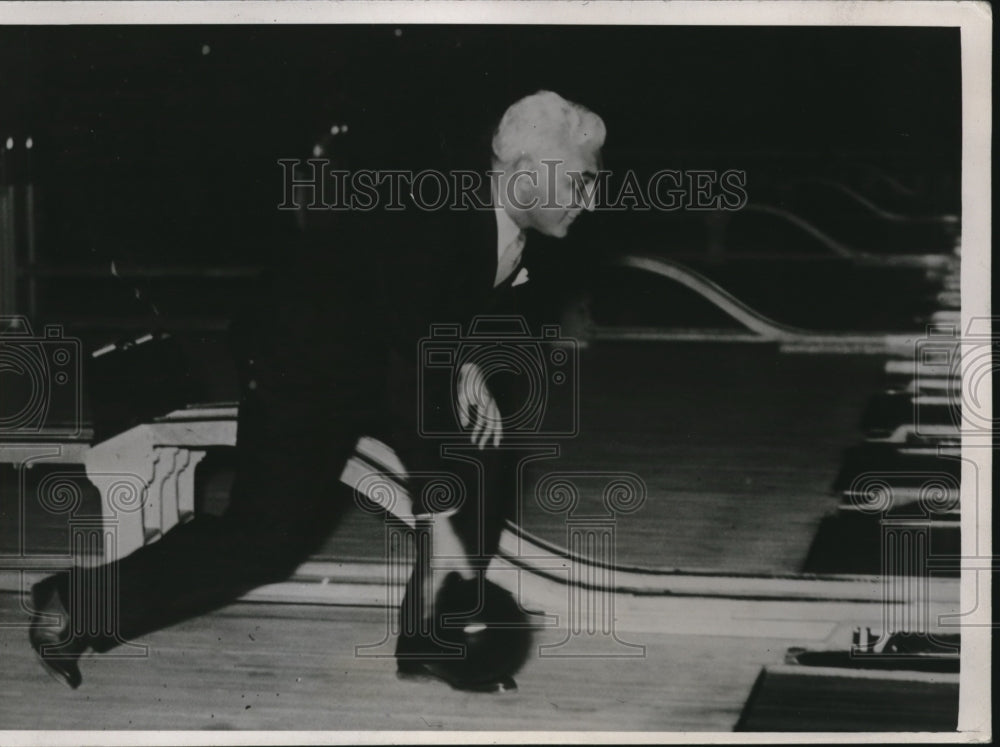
331 353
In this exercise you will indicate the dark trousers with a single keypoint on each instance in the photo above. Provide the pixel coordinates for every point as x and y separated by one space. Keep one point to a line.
292 443
295 433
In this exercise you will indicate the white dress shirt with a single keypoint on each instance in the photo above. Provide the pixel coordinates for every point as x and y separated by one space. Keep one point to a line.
510 245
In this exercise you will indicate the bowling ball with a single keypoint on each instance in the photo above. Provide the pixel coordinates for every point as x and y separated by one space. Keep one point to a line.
487 622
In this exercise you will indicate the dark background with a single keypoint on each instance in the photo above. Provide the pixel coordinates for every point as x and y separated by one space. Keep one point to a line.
146 147
149 151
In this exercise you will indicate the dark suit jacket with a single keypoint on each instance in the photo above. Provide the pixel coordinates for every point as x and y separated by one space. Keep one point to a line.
335 340
339 325
340 302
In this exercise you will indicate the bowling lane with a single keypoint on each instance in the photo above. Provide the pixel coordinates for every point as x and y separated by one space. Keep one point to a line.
254 666
737 445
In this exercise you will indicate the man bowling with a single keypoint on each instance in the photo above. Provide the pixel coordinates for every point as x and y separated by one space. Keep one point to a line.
330 353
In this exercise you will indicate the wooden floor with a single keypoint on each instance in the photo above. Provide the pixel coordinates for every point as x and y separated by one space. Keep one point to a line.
253 666
737 446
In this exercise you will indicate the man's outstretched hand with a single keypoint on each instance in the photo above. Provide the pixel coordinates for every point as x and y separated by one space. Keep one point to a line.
485 418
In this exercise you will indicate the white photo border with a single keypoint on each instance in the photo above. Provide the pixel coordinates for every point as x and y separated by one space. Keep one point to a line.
974 19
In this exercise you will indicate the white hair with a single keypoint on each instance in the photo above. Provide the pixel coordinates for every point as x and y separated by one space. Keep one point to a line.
535 123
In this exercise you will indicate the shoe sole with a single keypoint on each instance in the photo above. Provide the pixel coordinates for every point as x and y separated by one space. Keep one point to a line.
56 674
412 674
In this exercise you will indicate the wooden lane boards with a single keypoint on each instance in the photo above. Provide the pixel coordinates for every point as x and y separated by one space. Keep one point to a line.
297 667
550 579
377 466
559 584
787 617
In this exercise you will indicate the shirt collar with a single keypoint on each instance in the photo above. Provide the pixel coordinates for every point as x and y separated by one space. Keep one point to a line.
507 231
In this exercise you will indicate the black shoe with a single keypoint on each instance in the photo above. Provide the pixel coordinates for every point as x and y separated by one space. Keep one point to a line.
422 658
415 670
480 657
54 644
